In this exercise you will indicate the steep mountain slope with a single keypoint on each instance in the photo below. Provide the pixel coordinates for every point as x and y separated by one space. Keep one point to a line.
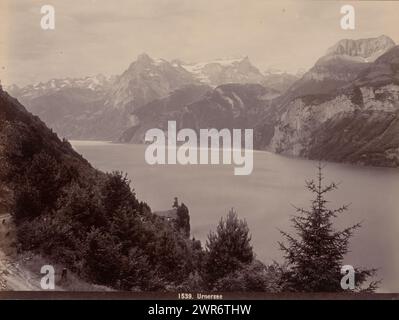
355 80
280 81
99 108
23 135
342 64
363 50
78 217
232 106
103 108
156 113
145 80
74 108
357 123
76 113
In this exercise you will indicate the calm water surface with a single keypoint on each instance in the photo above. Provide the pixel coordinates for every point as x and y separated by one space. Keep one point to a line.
266 198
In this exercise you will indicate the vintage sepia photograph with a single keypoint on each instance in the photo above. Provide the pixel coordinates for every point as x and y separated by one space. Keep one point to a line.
202 149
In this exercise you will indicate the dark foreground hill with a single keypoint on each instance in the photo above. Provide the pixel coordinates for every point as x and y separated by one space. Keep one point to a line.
85 219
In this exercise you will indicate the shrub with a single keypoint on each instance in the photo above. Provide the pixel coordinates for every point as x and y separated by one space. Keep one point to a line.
228 249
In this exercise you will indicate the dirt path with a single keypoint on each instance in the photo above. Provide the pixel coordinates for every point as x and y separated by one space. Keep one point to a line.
21 271
12 275
15 278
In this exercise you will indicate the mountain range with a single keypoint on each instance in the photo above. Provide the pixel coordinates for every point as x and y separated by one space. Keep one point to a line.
344 108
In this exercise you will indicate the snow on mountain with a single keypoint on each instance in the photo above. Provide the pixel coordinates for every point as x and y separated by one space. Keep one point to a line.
320 116
145 80
95 83
227 70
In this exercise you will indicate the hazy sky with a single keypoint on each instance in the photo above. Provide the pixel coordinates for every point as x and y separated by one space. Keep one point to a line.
103 36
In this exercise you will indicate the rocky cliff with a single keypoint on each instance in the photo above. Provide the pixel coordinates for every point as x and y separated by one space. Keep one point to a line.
357 123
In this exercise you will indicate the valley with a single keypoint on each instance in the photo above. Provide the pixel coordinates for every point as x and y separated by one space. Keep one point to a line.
297 116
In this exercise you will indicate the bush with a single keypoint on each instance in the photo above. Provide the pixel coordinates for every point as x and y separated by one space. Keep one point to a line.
254 277
228 249
102 258
39 188
84 207
98 228
116 193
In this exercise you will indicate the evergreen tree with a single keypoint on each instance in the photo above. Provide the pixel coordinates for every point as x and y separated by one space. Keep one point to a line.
136 273
314 258
117 194
39 188
228 249
102 258
83 205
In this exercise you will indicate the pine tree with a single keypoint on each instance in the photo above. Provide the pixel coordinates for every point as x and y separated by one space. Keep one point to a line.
117 194
229 249
314 258
39 187
102 257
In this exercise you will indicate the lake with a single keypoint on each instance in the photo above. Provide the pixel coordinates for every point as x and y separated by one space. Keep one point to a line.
265 199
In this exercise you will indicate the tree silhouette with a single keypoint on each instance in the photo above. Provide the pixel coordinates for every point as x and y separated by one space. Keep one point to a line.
315 256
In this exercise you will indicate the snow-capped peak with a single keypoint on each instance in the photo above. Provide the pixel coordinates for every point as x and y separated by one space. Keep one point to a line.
275 71
224 70
145 59
196 67
95 83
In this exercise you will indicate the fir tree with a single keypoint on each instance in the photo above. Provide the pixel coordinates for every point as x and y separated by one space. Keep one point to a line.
117 194
314 258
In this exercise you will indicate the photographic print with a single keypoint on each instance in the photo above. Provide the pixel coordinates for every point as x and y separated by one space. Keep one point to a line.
199 149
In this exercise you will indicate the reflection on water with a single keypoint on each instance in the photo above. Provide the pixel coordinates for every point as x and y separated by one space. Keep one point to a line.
265 199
